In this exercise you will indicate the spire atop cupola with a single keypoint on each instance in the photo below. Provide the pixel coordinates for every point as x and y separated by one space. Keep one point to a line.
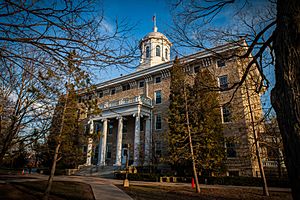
154 23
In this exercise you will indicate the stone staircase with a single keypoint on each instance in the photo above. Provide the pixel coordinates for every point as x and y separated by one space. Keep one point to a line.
93 170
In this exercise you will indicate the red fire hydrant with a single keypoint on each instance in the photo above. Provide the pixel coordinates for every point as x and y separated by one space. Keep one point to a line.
193 183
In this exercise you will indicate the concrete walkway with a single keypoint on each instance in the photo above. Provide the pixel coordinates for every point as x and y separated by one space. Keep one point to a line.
103 189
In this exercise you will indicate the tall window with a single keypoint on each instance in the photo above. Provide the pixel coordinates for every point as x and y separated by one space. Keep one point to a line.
158 122
226 114
158 97
126 87
223 82
157 79
100 94
231 149
141 84
147 52
157 50
108 151
158 149
113 91
166 54
221 63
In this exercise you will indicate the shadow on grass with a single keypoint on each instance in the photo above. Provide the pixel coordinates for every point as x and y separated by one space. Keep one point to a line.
60 190
185 193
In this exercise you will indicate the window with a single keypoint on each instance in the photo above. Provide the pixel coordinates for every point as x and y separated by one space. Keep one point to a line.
141 84
110 127
158 97
158 122
196 69
108 151
223 82
157 50
226 114
157 79
126 87
158 149
113 91
166 54
100 94
147 52
231 149
221 63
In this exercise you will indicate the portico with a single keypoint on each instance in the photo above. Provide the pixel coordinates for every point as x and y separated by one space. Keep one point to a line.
121 122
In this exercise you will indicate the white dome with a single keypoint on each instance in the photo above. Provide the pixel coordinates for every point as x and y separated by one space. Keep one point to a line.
155 49
155 35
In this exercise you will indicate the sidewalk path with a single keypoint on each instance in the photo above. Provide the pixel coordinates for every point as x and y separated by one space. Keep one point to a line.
103 189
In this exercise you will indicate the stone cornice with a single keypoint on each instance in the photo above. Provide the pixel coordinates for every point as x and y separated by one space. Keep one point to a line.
162 68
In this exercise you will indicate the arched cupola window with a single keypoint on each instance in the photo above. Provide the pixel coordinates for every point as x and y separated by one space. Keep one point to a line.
166 54
147 52
157 50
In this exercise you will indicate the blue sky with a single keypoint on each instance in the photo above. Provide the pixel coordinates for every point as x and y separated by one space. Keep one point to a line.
140 12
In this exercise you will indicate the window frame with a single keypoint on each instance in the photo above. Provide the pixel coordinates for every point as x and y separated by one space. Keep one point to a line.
166 54
222 85
158 123
160 96
231 150
112 91
140 84
156 79
147 50
221 63
157 51
226 115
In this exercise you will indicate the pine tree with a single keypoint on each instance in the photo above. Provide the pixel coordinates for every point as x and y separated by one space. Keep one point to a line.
180 131
206 124
195 130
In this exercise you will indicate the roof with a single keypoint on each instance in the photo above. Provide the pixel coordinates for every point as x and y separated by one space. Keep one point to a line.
155 35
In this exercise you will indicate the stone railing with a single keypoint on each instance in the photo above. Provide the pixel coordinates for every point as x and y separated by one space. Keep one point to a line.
126 101
269 163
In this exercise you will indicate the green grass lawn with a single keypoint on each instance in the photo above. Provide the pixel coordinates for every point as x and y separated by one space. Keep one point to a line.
186 193
34 190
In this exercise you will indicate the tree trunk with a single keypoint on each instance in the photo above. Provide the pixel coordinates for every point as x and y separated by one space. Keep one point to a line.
286 93
257 147
50 179
190 142
51 176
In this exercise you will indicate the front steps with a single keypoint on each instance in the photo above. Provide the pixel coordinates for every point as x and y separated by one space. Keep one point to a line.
98 171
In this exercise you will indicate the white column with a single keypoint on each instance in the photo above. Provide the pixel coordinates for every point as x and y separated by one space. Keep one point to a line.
90 145
137 139
148 141
119 142
102 148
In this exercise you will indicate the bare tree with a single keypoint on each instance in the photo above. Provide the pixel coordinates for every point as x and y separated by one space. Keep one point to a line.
36 38
274 36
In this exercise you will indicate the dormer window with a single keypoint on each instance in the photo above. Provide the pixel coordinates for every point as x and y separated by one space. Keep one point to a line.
157 50
166 54
147 52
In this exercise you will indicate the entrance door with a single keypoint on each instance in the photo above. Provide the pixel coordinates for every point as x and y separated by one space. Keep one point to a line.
125 153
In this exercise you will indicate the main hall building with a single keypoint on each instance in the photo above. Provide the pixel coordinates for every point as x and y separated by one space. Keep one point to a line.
135 107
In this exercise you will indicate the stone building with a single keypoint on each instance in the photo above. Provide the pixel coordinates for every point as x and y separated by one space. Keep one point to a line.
135 107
